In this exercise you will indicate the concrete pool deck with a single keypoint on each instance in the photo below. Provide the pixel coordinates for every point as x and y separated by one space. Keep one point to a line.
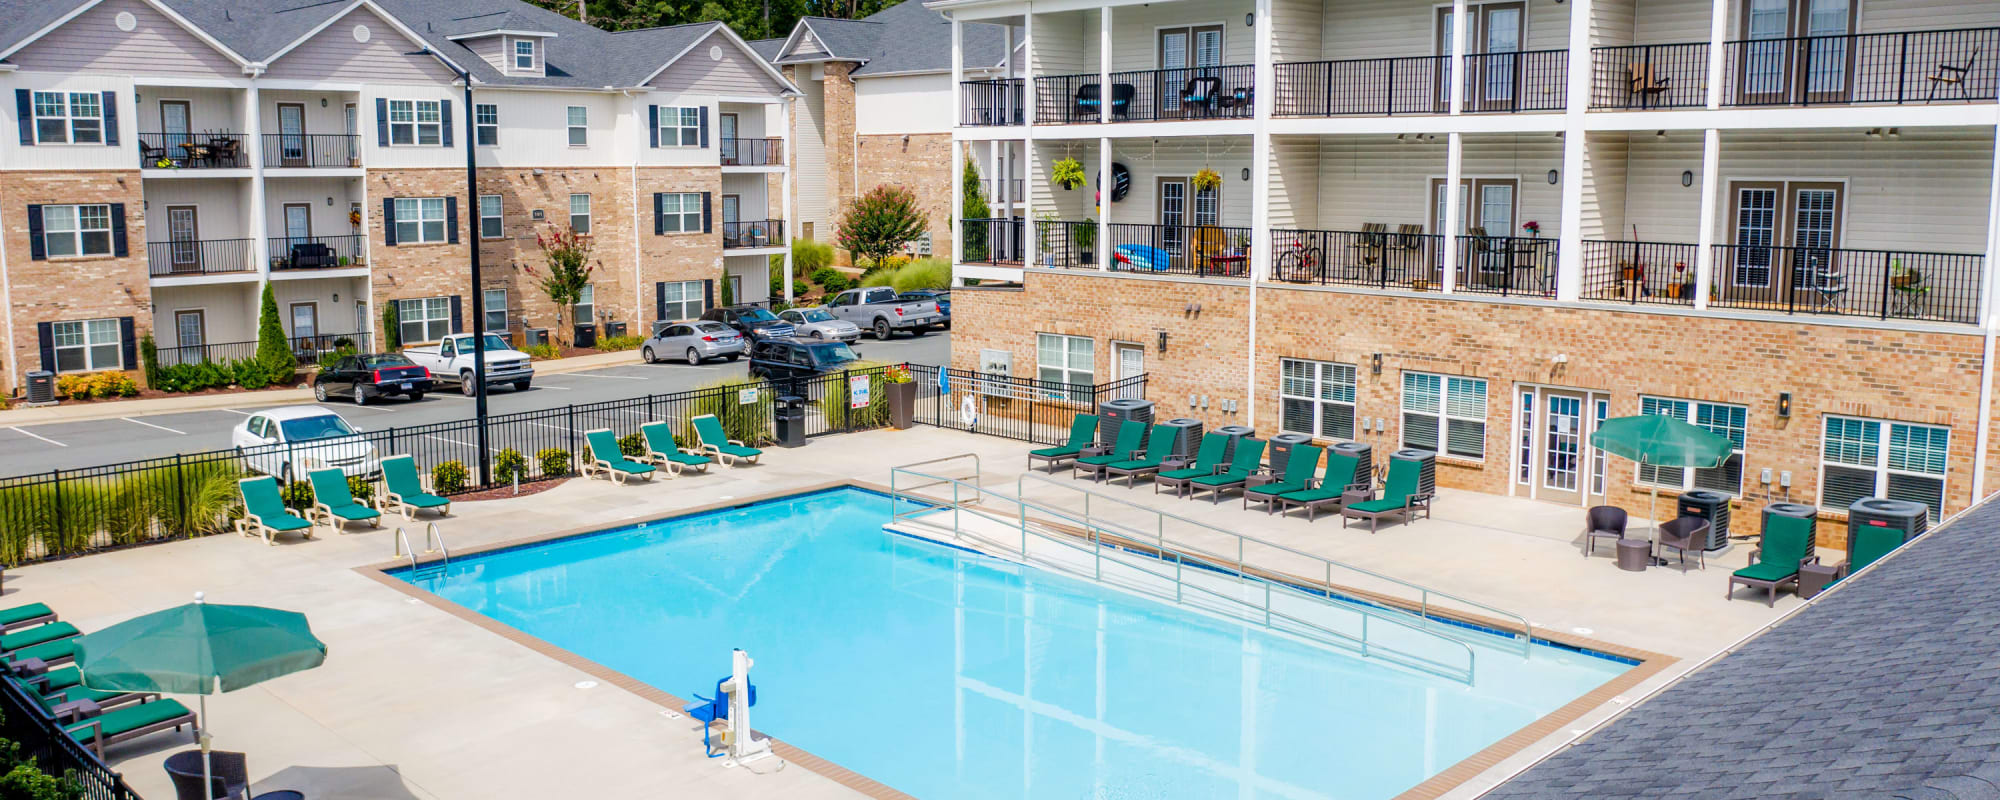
416 702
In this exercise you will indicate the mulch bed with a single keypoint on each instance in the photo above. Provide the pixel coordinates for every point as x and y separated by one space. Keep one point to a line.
506 492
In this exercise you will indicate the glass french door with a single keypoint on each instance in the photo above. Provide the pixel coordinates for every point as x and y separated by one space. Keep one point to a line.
730 149
352 125
1556 461
1756 218
1778 33
292 134
1562 446
305 320
1786 235
184 238
1496 32
189 329
177 123
1131 364
1186 54
1173 214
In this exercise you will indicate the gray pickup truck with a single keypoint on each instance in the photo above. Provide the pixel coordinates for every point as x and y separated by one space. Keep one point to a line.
878 311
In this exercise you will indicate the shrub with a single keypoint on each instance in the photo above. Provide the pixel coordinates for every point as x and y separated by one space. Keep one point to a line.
392 327
834 397
449 477
824 274
96 385
746 422
554 461
274 350
540 352
633 445
879 222
298 495
509 465
362 489
924 273
566 271
836 283
149 360
28 782
809 257
615 343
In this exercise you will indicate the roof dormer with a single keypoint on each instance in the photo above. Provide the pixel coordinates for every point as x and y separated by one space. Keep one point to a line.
518 53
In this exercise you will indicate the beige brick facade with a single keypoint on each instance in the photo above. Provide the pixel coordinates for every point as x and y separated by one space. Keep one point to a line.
94 287
678 256
918 162
504 262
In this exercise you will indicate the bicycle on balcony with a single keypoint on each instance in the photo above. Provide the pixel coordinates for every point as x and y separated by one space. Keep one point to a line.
1301 263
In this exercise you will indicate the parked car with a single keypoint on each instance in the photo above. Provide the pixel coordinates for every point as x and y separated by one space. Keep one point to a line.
694 341
375 375
291 441
450 361
754 322
940 297
878 310
784 360
816 323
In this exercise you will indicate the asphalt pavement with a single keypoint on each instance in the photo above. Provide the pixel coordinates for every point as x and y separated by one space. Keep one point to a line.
69 445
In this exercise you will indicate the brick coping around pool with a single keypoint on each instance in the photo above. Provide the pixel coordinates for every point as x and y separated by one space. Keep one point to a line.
1649 663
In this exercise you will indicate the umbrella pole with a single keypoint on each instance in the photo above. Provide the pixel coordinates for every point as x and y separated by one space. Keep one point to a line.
201 736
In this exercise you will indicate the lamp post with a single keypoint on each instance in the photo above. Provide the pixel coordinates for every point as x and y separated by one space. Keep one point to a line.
478 296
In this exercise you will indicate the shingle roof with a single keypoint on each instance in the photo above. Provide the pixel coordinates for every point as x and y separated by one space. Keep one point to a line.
767 48
1887 688
905 37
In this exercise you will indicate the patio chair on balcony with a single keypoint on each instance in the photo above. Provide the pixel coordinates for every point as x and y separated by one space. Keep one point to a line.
1823 280
1952 76
1646 84
1368 247
222 152
1201 94
1087 98
151 155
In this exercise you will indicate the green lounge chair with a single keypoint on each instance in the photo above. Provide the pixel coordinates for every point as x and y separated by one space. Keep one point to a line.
335 504
57 688
264 511
403 489
1158 449
130 722
1096 458
711 440
60 651
1298 475
28 616
11 643
1870 544
1249 456
1081 428
1177 473
1338 481
663 450
1400 497
607 460
1786 545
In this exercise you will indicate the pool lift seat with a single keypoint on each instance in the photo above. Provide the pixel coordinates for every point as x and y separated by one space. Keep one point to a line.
733 709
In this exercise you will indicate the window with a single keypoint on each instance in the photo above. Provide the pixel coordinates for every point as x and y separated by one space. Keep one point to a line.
586 306
682 299
424 320
1854 464
1727 421
680 213
418 122
1525 457
69 118
419 220
524 54
680 127
87 345
486 124
1451 411
579 126
489 217
579 213
76 230
1317 398
1065 359
494 303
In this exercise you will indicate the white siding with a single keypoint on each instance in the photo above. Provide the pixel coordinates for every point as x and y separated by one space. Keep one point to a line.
156 46
753 190
756 277
808 141
334 55
1135 32
1294 187
222 207
335 317
1357 29
1917 15
1366 179
903 104
1671 21
1177 158
676 156
1060 40
325 219
329 119
1927 190
125 155
208 109
750 119
490 49
1065 203
1295 29
1655 201
1604 162
534 130
228 311
412 156
717 65
1612 21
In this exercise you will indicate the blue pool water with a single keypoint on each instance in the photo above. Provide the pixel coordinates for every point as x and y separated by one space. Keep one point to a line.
948 674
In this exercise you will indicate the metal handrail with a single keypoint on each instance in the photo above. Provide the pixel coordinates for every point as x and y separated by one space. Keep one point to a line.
433 543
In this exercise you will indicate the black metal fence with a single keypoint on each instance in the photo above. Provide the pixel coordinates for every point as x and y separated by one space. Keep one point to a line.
1537 80
1506 265
1650 76
1371 258
1495 82
311 150
317 252
1884 284
1221 92
991 241
199 257
753 233
308 350
1014 408
993 102
1199 250
1066 243
752 152
41 737
192 151
1901 67
1639 272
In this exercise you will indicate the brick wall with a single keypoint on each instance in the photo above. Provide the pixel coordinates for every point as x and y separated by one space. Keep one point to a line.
922 164
838 86
504 262
678 256
75 288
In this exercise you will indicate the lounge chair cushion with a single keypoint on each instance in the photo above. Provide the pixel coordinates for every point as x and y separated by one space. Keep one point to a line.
58 696
1137 464
1315 495
679 457
127 719
1768 571
424 500
59 679
9 616
631 468
1225 479
40 634
354 512
1184 474
738 450
261 498
709 430
1379 506
1276 489
286 523
58 650
1064 451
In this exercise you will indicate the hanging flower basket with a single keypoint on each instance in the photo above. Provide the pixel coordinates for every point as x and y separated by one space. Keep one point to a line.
1068 174
1206 180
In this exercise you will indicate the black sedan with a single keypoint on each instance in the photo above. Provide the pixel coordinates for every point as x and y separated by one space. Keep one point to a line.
943 299
371 377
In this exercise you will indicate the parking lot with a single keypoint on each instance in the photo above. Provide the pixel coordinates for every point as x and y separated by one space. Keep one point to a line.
67 445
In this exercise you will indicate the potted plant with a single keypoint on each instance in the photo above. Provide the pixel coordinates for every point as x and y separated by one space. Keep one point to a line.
1206 179
354 218
1084 235
1683 288
343 261
1045 233
1902 277
1067 174
1533 228
902 390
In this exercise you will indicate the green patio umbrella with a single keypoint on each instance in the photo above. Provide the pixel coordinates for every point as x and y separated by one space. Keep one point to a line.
1660 441
198 649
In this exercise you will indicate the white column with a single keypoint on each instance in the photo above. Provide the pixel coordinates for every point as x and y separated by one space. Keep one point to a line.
1711 178
1457 83
1983 438
1030 237
1718 28
1454 214
957 72
784 110
1104 204
1104 64
1569 239
1028 65
253 148
957 200
1260 205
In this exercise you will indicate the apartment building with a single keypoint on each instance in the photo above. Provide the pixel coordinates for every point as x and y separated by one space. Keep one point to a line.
174 157
1478 228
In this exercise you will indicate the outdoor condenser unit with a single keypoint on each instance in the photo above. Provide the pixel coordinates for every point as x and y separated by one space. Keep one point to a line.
1711 506
1364 467
1187 436
1279 451
1800 510
1427 477
1112 414
1910 517
1236 433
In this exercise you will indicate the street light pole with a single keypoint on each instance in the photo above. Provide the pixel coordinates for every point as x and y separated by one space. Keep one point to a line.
478 295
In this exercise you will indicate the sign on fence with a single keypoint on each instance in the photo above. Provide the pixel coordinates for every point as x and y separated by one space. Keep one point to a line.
746 397
857 391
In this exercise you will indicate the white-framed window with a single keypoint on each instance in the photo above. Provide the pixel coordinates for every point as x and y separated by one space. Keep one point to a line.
1317 398
80 230
524 54
1597 456
426 319
1065 359
586 305
1525 448
579 126
69 118
420 220
1722 419
680 213
680 126
416 122
486 124
1445 413
88 345
490 218
494 303
1875 458
683 300
579 213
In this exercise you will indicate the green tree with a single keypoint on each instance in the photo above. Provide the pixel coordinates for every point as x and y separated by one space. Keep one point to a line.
975 209
392 327
274 351
880 222
568 258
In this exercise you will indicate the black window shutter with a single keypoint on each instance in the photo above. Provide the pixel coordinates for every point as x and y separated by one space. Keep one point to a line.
38 250
659 213
707 293
389 221
118 246
111 121
457 321
24 110
444 121
705 226
382 123
128 343
45 340
653 113
704 126
451 219
660 300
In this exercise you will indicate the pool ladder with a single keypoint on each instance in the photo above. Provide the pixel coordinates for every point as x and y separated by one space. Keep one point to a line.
433 543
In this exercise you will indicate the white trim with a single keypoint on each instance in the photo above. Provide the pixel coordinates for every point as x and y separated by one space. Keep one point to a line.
741 46
1190 26
156 5
342 14
499 32
1881 468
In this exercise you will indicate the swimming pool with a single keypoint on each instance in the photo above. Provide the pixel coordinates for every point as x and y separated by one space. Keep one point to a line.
948 674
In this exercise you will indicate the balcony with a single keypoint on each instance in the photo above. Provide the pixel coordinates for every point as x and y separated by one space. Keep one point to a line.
1406 259
1883 284
1506 265
992 102
199 257
991 241
992 186
1066 244
753 233
1148 95
1197 250
311 150
1854 69
1659 273
307 349
753 152
1495 83
192 151
1650 76
317 252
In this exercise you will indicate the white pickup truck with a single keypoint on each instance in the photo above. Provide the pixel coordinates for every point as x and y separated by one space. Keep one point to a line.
879 311
451 361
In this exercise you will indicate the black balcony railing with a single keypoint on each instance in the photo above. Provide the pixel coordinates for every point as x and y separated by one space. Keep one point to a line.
317 252
199 257
311 150
1148 95
753 152
1199 250
1506 265
753 233
1650 76
1884 284
1495 82
993 102
1639 272
192 151
1537 80
1066 243
1904 67
307 349
1383 260
991 241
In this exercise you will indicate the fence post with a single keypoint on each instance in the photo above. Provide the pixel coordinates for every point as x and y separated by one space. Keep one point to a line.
58 516
1903 67
1886 279
180 495
569 423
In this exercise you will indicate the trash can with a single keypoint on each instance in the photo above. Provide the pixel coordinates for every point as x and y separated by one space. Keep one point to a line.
789 415
1279 451
41 387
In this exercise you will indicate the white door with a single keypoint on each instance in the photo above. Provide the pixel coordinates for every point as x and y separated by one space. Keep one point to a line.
1503 37
305 320
292 133
298 222
1173 213
353 128
730 153
175 123
1131 364
188 330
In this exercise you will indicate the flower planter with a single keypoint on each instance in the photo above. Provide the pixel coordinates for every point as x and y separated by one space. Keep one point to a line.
902 405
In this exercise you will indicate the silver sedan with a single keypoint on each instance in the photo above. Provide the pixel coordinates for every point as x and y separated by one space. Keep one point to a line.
816 323
694 342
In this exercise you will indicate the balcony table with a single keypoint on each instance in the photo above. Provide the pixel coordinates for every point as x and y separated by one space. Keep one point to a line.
1228 265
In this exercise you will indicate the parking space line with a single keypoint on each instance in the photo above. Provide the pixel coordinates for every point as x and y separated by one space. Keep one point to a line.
557 388
33 436
151 425
244 413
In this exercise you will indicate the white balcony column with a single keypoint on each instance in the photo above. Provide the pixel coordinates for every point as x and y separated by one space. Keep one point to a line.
1984 436
1030 237
1718 30
957 72
996 171
1028 65
1104 64
957 199
1569 238
1711 178
1260 161
1457 83
1103 206
253 148
1454 211
784 111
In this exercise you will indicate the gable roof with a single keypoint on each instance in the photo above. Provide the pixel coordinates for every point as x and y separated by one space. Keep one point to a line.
677 40
906 37
767 49
29 20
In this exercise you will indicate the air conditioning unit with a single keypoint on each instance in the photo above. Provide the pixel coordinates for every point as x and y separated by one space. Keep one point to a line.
41 387
614 330
1236 433
1711 506
1187 436
1111 415
535 337
1279 451
1798 510
1364 457
1910 517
